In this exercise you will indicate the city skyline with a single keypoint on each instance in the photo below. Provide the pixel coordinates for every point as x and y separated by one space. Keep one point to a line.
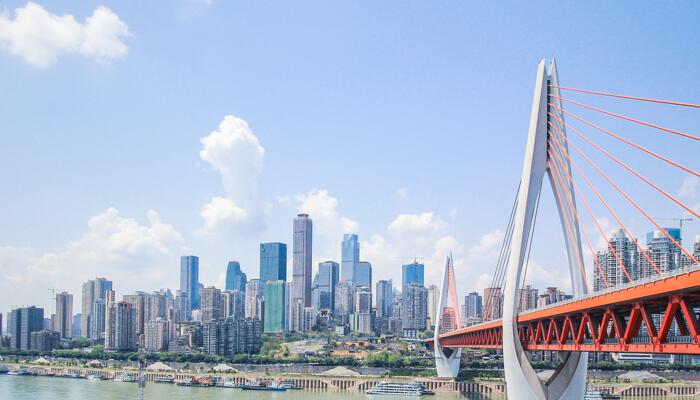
116 207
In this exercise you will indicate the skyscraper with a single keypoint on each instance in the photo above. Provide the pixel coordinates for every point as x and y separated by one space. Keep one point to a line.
301 263
212 307
64 315
24 321
363 274
413 274
189 279
92 290
493 303
235 278
384 298
328 276
433 301
343 304
124 327
233 304
98 319
415 308
274 307
350 256
363 300
254 299
273 262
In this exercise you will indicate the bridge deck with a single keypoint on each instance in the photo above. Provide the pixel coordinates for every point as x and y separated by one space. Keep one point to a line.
615 320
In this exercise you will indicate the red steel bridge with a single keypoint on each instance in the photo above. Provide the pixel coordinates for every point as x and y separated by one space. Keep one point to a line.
628 298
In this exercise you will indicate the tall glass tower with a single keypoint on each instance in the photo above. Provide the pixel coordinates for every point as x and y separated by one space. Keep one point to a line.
363 274
350 248
189 279
301 263
235 278
274 307
273 262
328 274
413 274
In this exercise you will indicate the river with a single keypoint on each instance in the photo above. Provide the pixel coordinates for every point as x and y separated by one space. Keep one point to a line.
45 388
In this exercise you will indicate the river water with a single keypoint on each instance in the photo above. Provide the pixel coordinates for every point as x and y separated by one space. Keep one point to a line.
45 388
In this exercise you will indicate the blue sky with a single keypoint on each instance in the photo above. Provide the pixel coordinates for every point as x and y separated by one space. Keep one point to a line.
403 121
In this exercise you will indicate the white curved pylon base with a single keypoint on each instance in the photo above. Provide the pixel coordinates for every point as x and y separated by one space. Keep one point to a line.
522 382
447 367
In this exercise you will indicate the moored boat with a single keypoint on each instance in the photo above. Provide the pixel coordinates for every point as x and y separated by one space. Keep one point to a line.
399 389
257 385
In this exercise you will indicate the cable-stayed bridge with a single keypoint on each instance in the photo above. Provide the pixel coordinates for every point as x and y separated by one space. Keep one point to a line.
649 309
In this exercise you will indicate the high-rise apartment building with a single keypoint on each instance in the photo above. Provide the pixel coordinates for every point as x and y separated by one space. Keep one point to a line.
211 301
474 307
363 299
64 315
275 314
350 256
328 277
384 298
413 274
138 303
182 307
124 338
92 290
189 279
254 299
433 302
414 313
493 303
527 298
229 337
273 262
343 299
301 262
235 278
233 303
621 251
662 251
98 319
157 335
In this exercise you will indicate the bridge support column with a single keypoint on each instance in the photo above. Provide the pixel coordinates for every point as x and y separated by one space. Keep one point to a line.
447 359
522 382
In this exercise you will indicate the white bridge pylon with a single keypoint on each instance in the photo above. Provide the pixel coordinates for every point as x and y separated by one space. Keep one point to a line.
569 380
447 359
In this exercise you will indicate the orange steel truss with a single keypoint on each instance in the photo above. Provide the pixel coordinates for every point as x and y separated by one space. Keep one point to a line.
613 321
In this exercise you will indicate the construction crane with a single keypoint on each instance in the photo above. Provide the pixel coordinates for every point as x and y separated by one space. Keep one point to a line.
680 221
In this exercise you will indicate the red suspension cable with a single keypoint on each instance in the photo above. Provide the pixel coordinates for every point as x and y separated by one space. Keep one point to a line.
578 221
625 166
602 232
629 199
636 146
612 114
622 96
602 200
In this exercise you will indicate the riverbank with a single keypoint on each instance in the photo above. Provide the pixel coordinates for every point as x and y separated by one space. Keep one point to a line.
357 384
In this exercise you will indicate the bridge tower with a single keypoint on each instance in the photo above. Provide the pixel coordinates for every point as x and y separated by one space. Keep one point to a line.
569 380
447 359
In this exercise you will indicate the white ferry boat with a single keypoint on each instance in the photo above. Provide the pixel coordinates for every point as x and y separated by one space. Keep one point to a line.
592 394
399 389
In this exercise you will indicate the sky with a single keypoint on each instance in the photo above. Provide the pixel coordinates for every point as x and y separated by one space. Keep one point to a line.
132 133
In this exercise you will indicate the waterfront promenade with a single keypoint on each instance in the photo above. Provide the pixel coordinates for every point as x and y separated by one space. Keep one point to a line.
493 388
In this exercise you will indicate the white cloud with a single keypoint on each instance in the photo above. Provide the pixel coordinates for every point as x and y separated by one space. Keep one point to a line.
424 224
39 37
488 243
222 212
689 188
235 152
329 225
134 255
